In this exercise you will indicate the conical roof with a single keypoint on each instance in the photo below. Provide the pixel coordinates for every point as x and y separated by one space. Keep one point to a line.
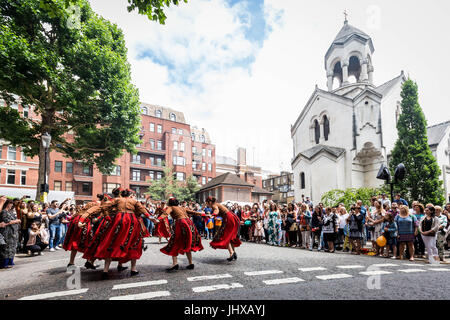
347 31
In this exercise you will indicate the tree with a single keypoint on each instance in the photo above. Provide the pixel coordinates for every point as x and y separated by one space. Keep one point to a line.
349 196
75 77
168 186
153 9
421 182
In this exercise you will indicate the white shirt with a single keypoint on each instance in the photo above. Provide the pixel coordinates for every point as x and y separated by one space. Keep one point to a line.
343 221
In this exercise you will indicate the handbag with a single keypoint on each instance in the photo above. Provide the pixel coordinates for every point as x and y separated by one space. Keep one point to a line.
293 227
248 222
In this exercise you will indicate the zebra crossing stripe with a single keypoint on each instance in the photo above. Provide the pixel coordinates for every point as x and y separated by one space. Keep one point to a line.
142 296
55 294
138 284
263 272
282 281
334 276
356 266
438 269
312 269
217 287
411 270
374 272
385 265
212 277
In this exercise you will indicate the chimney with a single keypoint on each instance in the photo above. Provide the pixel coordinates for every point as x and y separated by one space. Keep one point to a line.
241 153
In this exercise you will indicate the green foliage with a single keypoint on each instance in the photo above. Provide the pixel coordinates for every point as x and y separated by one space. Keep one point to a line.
153 9
74 76
168 186
421 182
349 196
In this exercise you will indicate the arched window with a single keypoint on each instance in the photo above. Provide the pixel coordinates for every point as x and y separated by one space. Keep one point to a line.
202 139
326 127
316 131
158 113
302 180
173 117
144 110
193 136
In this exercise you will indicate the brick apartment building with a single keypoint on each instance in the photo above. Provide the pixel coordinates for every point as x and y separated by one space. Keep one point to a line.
166 138
282 186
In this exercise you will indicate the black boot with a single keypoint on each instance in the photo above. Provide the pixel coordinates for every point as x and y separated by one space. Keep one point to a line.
121 268
234 255
175 267
105 276
134 273
190 267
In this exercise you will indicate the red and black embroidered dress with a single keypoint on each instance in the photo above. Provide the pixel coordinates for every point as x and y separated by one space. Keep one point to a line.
185 237
119 236
162 229
228 232
79 238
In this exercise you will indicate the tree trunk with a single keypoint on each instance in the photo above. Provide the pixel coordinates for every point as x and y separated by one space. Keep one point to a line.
41 171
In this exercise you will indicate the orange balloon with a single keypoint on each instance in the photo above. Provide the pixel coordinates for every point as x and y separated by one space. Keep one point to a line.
381 241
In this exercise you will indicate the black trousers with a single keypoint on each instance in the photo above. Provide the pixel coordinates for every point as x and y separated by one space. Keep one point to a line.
38 247
292 237
419 245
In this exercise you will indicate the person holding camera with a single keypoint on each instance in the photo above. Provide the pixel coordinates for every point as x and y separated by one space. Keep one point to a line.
9 233
428 228
355 221
55 215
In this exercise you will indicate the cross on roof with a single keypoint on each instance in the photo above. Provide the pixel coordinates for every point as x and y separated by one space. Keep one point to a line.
345 15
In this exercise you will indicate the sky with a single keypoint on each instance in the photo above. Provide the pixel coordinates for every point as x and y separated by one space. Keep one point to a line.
244 69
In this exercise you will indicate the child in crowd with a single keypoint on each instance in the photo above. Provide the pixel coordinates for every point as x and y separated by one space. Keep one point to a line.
259 231
389 227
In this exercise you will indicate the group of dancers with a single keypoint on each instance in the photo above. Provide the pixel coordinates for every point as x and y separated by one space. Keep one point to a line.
112 229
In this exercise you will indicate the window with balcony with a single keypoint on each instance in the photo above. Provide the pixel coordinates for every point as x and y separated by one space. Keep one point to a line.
86 187
58 166
152 144
11 153
179 161
136 158
135 175
109 187
152 161
57 186
152 127
152 175
159 145
69 167
159 128
159 162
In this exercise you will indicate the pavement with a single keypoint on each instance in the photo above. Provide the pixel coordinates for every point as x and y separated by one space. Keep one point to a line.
261 272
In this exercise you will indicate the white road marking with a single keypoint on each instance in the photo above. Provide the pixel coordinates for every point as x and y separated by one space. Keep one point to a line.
385 265
334 276
217 287
260 273
55 294
356 266
375 272
216 276
282 281
142 296
138 284
412 265
438 269
411 270
312 269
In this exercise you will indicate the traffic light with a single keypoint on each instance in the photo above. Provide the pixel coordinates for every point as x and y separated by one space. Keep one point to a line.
384 174
44 187
400 172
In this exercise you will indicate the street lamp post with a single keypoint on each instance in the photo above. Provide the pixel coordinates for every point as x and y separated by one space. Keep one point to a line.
399 174
46 140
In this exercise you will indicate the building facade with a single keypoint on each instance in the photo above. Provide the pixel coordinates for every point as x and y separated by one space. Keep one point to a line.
166 139
344 133
282 187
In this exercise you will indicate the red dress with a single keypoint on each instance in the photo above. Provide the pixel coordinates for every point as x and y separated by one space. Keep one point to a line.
79 238
228 232
185 238
119 237
162 229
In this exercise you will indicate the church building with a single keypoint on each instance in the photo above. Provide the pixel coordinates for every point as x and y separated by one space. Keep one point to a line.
344 133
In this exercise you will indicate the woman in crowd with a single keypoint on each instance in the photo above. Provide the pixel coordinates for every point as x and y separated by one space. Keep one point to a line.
407 229
272 229
245 222
419 212
330 228
342 222
428 228
266 222
10 233
292 225
316 227
374 221
162 230
121 240
185 238
304 218
281 224
227 236
259 230
355 222
33 216
440 240
389 228
37 239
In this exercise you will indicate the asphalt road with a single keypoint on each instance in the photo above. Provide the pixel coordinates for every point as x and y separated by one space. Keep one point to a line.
261 272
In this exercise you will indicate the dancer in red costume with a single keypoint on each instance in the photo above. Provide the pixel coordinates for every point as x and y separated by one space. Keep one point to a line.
120 236
185 238
227 237
78 239
162 228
